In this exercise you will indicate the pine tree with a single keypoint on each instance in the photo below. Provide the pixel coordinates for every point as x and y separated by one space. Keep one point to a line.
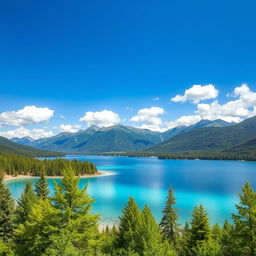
228 245
34 236
41 188
150 240
170 227
6 211
25 203
126 234
186 233
245 220
61 245
216 232
75 206
200 228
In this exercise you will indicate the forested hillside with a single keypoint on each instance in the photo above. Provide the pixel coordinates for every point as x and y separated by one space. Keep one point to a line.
19 149
213 139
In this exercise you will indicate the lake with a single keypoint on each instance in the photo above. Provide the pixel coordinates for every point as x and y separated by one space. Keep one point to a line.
215 184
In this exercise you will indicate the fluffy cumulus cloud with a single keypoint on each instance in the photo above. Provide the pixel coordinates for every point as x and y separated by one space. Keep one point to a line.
243 106
69 128
150 118
102 118
232 111
23 132
197 93
26 116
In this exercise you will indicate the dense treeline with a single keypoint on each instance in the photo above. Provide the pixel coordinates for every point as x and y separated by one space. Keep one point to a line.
249 156
63 224
16 165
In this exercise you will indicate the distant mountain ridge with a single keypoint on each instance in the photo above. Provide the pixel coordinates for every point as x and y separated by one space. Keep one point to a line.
117 138
9 146
235 138
203 123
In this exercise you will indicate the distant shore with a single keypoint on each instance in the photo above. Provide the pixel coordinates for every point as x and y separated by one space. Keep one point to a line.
8 177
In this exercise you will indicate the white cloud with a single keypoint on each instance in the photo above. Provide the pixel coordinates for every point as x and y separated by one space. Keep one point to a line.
26 116
23 132
233 111
151 118
69 128
102 118
156 98
197 93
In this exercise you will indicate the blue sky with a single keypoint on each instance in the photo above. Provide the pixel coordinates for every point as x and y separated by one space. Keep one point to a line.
74 57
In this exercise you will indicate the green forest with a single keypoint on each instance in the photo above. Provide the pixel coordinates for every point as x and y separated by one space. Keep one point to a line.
16 165
63 224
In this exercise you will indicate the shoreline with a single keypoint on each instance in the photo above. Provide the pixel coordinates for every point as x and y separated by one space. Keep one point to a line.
8 177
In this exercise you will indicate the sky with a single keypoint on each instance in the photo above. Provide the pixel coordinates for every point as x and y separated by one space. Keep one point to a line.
67 65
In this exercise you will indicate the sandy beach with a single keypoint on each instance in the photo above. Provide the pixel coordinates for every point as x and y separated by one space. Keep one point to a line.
8 177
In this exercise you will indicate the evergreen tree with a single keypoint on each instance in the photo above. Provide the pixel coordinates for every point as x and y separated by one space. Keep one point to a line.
75 206
41 188
33 237
150 241
61 245
25 203
170 227
185 239
200 228
126 234
6 211
228 245
216 233
208 247
245 220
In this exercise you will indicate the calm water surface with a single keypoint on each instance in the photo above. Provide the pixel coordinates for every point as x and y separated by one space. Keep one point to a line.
215 184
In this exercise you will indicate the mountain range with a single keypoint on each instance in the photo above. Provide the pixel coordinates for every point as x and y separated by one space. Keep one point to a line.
113 139
9 146
238 138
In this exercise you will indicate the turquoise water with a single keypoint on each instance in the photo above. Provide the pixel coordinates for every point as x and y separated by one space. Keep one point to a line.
215 184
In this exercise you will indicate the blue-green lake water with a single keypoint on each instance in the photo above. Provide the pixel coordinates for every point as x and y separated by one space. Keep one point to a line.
215 184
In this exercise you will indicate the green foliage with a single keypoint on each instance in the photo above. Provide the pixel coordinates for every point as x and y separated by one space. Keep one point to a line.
6 212
14 165
210 139
41 188
9 146
34 236
64 225
245 220
74 206
170 227
61 244
200 228
5 250
127 232
25 204
118 138
149 235
208 247
228 245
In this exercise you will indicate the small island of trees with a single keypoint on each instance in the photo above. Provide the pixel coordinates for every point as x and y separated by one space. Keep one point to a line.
20 165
